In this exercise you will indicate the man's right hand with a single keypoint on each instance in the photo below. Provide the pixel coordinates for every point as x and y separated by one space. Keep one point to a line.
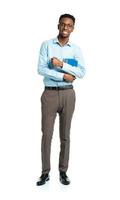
69 77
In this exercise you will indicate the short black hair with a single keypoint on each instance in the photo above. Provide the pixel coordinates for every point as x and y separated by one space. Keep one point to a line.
67 16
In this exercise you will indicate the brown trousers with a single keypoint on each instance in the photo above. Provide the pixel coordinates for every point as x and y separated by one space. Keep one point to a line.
63 103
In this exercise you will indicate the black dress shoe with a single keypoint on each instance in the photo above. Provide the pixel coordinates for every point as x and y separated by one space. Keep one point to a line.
43 179
64 179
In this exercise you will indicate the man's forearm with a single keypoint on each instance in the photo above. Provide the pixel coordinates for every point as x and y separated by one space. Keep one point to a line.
50 73
75 71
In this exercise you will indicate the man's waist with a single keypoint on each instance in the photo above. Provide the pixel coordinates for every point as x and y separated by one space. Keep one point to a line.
59 88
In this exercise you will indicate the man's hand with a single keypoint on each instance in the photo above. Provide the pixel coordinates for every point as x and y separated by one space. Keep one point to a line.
56 62
69 78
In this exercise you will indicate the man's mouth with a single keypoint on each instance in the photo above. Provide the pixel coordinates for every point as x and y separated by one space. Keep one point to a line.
65 32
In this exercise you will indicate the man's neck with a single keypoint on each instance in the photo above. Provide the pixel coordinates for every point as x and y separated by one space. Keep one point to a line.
62 40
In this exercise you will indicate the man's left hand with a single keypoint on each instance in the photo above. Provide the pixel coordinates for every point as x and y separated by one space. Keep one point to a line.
56 62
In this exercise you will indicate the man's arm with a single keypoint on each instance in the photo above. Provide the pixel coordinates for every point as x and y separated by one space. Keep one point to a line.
78 71
43 65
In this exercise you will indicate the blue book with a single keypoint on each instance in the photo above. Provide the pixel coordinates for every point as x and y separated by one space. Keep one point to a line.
71 61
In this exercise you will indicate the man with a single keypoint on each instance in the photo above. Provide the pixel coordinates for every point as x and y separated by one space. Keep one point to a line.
60 62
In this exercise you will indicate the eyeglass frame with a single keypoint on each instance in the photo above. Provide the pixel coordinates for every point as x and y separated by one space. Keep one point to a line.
69 26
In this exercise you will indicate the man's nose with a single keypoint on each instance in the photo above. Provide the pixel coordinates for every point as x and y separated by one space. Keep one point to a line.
65 27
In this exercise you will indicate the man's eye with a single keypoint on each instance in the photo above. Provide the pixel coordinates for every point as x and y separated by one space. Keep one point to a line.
66 25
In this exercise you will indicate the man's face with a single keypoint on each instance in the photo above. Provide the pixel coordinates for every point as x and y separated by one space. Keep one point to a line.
65 27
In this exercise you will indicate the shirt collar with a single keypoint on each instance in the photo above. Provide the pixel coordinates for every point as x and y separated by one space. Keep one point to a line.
55 40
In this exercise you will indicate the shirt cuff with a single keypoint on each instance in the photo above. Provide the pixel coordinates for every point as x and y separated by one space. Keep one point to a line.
60 76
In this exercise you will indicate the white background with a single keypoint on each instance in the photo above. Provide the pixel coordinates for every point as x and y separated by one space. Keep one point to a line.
94 167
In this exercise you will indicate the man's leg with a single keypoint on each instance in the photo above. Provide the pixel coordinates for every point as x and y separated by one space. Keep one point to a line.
66 113
49 102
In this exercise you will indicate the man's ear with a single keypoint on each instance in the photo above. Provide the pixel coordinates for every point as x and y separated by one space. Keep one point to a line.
58 26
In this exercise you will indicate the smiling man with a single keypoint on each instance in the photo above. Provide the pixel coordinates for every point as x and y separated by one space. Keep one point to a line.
60 62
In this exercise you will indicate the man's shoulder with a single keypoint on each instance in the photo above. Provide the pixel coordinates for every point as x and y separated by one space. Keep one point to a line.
75 45
46 42
76 48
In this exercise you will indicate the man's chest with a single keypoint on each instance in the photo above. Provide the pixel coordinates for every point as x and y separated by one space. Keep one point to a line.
60 52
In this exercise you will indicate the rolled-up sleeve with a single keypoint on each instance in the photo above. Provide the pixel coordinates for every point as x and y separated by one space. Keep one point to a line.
43 68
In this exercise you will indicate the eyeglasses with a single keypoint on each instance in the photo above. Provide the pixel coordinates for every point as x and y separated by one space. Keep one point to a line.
69 26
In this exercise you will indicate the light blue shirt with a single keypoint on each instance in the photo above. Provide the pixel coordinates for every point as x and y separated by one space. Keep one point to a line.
53 76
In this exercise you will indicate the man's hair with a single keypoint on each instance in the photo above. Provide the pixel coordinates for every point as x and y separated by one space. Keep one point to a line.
67 16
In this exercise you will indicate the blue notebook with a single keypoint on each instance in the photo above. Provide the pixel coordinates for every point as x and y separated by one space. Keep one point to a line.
71 61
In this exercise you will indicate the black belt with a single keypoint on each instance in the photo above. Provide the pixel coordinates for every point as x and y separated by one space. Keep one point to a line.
59 88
